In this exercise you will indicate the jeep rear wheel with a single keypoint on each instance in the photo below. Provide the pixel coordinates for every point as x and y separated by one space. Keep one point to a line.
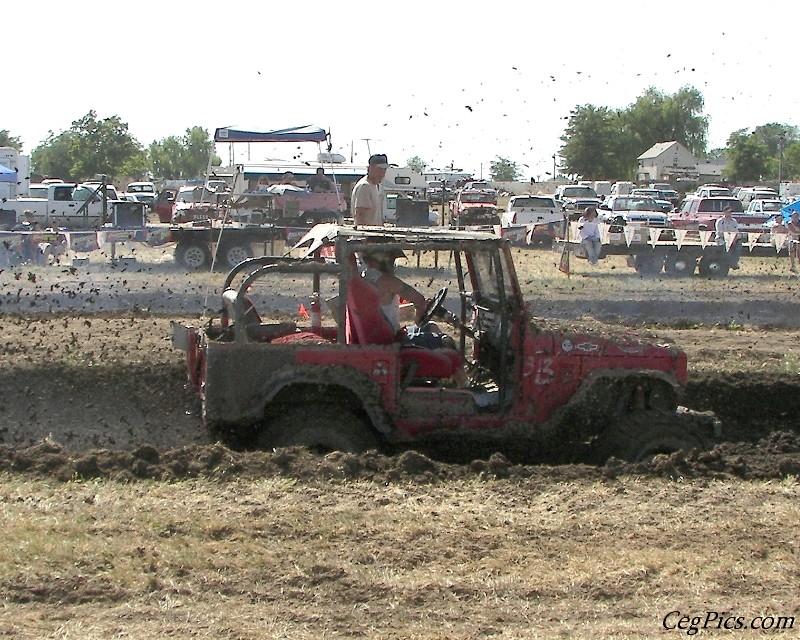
322 428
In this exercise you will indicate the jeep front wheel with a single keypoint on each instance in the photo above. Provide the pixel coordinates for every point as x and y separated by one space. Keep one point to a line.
641 435
321 428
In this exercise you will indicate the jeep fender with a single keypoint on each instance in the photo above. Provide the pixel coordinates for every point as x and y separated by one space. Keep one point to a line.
338 384
596 384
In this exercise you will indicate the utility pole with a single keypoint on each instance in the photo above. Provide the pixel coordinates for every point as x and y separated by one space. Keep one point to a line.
781 140
554 167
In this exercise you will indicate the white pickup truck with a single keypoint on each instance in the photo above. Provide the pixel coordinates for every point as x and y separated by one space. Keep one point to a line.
770 207
70 206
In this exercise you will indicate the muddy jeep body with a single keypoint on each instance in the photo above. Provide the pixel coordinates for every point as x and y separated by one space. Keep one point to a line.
549 393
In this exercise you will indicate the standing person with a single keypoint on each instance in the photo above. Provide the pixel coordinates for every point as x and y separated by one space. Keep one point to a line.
589 229
365 201
793 228
728 224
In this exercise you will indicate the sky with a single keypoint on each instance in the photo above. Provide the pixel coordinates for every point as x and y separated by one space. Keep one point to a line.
454 83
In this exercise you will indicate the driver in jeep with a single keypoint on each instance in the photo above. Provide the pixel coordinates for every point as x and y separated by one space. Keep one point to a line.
378 269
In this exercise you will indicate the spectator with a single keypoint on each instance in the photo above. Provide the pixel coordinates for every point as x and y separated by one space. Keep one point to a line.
589 230
320 183
728 224
793 228
365 201
288 178
26 248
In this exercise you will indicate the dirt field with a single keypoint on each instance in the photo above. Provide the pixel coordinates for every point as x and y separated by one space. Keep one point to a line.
120 519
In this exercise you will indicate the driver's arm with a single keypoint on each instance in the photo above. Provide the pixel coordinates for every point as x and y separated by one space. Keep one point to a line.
407 292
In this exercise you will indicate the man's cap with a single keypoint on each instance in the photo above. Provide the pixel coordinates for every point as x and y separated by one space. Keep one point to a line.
728 208
379 160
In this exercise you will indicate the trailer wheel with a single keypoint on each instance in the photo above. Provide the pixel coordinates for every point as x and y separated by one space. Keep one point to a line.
232 254
680 265
192 256
322 428
714 266
648 264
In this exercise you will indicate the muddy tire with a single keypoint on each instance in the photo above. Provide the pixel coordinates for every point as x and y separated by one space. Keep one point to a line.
680 265
320 428
192 256
637 437
714 266
648 264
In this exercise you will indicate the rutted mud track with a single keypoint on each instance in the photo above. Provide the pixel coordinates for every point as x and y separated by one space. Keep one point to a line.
104 396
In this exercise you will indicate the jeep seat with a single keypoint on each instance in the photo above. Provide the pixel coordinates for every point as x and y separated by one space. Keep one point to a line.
365 324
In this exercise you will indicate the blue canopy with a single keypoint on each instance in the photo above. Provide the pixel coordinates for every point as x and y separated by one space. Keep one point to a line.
307 133
787 210
7 175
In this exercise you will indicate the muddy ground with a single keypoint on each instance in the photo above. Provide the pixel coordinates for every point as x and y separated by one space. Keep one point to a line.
87 362
123 520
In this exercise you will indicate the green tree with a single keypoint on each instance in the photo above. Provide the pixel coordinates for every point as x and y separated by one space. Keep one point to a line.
656 117
416 163
591 143
7 140
790 167
89 147
604 143
503 170
182 157
775 135
749 159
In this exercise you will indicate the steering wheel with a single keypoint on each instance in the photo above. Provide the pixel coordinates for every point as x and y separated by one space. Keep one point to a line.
434 306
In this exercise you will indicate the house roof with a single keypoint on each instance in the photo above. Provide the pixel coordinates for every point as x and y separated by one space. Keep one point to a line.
657 149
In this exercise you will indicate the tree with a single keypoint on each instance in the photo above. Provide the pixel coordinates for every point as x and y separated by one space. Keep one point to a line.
775 135
416 163
7 140
604 143
90 147
181 157
790 167
591 143
503 170
749 159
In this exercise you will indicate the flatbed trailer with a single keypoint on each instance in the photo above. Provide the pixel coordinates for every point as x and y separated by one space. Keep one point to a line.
224 245
678 252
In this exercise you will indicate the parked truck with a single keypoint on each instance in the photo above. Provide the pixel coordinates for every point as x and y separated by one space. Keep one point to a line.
70 206
342 379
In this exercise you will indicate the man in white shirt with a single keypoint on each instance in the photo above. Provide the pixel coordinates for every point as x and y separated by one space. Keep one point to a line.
365 200
728 224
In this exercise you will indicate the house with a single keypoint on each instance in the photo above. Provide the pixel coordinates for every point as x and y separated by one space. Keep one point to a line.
665 162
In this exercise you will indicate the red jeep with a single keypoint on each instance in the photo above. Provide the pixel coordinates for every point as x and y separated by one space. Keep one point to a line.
340 379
